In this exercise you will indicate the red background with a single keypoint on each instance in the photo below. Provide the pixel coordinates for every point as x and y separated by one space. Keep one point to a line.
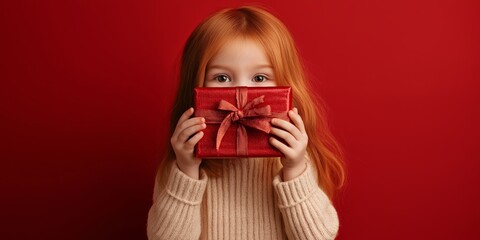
87 86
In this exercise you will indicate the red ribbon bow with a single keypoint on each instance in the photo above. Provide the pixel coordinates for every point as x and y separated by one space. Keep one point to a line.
246 114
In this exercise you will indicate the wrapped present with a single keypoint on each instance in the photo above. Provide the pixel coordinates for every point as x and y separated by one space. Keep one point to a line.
238 120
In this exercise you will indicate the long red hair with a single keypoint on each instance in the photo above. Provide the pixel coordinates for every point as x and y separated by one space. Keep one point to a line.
261 26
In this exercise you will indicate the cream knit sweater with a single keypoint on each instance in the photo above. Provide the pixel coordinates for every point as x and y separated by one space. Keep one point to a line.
249 201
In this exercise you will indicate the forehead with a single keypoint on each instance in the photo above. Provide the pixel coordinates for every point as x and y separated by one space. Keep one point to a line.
241 49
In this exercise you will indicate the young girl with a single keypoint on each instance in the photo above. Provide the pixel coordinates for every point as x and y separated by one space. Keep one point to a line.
247 198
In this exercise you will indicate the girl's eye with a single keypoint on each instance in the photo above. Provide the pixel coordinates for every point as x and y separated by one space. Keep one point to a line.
259 78
222 78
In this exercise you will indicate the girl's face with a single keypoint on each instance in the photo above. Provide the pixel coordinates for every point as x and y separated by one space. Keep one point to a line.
240 62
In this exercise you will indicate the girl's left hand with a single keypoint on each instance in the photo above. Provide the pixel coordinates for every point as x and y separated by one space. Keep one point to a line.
296 137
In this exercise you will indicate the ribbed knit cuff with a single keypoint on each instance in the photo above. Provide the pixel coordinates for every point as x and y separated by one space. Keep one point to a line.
185 188
295 191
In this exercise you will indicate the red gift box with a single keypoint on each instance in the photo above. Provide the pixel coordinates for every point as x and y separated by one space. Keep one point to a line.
238 120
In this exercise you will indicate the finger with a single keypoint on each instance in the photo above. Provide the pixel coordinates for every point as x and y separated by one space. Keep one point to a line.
194 140
285 136
186 124
280 146
297 120
185 134
190 122
186 115
287 126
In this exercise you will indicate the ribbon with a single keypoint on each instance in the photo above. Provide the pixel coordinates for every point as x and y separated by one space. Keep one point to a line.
246 114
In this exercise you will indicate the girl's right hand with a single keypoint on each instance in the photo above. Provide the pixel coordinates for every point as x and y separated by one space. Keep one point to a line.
186 135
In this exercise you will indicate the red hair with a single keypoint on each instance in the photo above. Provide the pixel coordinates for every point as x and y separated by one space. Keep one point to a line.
261 26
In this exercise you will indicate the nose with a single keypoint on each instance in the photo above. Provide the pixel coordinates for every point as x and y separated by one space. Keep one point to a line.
242 82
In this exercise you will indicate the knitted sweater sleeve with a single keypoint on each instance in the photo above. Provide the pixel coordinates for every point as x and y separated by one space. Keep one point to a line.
175 212
306 210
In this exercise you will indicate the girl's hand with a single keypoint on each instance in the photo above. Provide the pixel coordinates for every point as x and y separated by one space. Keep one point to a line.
296 138
186 135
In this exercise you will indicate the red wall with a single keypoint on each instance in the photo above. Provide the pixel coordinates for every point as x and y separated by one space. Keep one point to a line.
86 88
